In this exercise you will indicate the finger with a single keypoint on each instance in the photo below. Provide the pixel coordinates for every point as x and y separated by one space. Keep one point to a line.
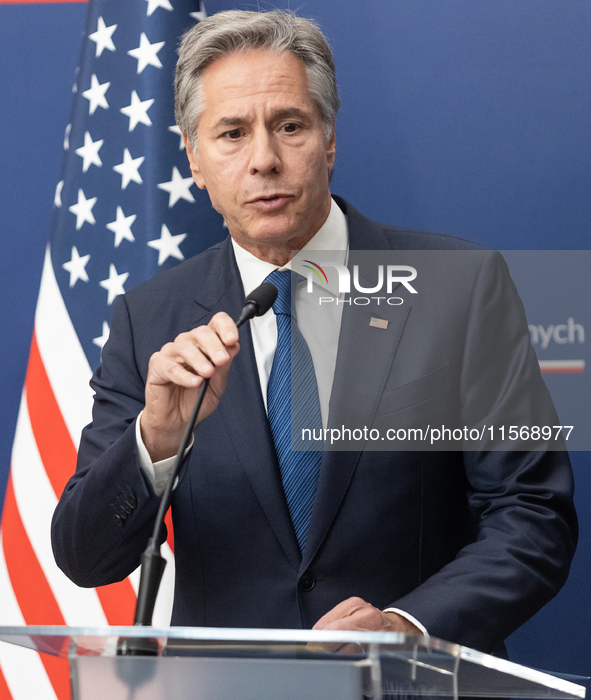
204 351
166 370
195 359
183 362
209 342
225 328
200 351
184 376
351 623
233 350
366 619
343 609
182 353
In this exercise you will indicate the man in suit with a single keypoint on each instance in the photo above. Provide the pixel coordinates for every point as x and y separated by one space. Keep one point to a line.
463 545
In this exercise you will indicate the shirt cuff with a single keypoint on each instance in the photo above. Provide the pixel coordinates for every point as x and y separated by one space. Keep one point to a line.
410 618
157 472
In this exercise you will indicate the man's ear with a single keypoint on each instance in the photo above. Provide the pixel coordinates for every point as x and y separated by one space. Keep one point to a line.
194 164
331 147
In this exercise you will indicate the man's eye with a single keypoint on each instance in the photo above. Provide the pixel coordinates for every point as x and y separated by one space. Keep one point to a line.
233 134
290 128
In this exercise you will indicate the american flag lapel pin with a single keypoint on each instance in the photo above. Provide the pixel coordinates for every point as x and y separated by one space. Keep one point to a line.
378 323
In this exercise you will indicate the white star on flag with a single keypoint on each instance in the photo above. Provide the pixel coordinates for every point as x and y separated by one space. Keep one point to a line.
96 95
102 339
89 152
168 245
121 227
114 283
102 37
178 188
83 210
129 169
57 199
77 267
176 130
67 137
146 53
202 14
137 111
155 4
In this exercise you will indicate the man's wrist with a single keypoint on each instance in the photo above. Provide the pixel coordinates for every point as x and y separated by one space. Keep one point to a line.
157 472
160 444
413 622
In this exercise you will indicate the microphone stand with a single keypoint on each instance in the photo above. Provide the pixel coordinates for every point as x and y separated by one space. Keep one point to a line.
153 563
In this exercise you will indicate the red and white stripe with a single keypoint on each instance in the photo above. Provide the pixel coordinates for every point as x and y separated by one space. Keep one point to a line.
562 366
56 404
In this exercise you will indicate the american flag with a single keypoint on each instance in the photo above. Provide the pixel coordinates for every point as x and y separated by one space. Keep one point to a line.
125 208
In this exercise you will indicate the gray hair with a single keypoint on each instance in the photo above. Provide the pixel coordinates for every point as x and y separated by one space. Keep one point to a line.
237 30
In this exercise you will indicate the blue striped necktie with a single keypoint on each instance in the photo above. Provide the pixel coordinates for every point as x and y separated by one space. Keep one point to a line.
293 405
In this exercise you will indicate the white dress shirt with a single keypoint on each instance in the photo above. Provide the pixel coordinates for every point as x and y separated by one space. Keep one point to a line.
333 239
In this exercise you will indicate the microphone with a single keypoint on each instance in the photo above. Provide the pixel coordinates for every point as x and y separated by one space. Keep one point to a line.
257 303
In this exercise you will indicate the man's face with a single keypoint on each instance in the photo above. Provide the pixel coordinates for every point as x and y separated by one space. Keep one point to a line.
262 154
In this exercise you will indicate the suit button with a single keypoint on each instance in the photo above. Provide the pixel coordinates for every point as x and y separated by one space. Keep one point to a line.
307 582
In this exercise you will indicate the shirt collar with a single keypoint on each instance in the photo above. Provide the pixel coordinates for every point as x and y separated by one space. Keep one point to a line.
331 237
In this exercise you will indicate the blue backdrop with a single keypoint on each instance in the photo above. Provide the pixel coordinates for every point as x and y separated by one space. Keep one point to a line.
464 117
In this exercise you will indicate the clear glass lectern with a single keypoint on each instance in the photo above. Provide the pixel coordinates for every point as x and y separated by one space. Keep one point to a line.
261 664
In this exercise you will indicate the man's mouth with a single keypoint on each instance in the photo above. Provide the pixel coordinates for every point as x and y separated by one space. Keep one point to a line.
269 202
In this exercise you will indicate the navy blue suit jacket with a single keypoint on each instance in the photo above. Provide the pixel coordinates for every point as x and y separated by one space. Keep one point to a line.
471 544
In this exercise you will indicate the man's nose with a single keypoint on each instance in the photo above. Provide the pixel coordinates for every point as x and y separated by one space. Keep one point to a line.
264 156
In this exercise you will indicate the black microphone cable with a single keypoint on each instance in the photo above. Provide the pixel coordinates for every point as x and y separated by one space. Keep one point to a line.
256 303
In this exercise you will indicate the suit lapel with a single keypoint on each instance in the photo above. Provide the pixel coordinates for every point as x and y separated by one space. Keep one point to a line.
364 359
241 408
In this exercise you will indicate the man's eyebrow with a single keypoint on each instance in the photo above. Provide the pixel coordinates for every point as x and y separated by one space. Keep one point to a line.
233 122
291 112
229 122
